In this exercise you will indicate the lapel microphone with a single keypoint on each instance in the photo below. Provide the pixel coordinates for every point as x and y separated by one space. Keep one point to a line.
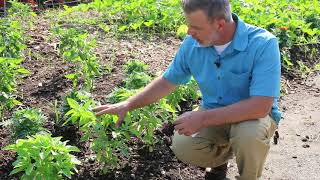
218 63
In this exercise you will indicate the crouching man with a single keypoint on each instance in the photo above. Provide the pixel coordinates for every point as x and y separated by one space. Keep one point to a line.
237 68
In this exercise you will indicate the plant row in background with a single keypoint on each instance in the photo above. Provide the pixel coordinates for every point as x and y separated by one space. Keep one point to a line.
76 47
294 22
157 16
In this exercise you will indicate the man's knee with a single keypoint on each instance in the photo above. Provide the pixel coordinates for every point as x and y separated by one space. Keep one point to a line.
182 147
251 133
250 143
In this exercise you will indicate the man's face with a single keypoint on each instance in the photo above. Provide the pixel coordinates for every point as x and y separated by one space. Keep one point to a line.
206 31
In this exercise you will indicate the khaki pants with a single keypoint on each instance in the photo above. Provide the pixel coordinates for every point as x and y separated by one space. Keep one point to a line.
213 146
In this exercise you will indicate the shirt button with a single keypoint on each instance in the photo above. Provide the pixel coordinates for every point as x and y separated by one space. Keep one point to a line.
219 77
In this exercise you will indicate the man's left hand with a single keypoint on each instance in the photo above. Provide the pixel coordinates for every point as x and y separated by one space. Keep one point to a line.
189 123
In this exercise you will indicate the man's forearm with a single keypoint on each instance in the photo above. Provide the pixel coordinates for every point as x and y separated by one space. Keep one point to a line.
249 109
154 91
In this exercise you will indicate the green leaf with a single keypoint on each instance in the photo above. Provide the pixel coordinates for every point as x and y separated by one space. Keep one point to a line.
73 104
73 148
72 111
23 71
67 173
16 102
122 28
29 170
70 76
16 170
149 23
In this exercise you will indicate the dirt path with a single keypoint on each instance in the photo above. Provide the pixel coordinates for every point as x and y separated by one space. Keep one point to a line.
297 156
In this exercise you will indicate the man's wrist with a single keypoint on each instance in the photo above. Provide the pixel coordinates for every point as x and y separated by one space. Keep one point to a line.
129 105
210 118
204 119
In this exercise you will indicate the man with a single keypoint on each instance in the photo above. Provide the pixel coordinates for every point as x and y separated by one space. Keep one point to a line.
237 67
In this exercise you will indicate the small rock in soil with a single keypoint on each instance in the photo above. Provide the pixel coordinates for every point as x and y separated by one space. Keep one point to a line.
133 176
91 159
305 146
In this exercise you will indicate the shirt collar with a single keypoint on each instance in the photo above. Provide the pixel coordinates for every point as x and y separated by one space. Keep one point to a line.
240 39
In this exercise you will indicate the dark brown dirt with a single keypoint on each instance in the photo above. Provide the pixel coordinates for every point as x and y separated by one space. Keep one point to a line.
6 157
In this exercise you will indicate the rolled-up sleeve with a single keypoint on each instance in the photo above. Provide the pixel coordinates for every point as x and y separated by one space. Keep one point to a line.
178 72
266 72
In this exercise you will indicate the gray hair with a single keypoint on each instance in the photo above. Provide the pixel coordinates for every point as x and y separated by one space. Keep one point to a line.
212 8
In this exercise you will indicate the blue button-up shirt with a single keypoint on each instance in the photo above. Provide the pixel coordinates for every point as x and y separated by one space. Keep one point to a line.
249 66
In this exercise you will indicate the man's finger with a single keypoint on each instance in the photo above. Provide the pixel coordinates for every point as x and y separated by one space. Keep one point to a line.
184 114
178 121
106 111
99 108
120 121
182 132
187 134
178 127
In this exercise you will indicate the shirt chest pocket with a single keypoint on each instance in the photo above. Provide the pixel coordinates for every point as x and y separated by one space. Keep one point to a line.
236 86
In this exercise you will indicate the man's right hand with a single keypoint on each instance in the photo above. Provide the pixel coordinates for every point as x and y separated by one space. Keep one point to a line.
119 109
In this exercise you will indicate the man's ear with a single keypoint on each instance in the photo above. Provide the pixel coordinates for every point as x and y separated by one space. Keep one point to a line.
221 23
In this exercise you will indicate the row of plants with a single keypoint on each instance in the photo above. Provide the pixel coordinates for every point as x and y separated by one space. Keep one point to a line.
76 47
140 123
40 155
294 22
12 44
156 16
301 21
